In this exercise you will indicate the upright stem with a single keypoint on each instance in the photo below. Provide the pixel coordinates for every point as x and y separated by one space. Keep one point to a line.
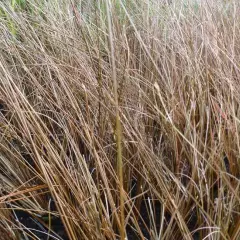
118 123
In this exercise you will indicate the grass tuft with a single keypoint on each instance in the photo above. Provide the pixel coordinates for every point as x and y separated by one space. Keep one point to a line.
119 119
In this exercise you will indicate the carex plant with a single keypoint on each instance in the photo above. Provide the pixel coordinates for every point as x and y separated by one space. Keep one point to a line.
119 119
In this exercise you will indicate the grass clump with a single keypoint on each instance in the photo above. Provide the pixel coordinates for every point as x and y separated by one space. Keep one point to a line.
119 119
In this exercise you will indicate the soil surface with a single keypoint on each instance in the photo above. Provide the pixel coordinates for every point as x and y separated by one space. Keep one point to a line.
36 225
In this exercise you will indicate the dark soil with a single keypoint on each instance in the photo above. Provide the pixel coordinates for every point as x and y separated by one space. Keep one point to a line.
59 232
36 226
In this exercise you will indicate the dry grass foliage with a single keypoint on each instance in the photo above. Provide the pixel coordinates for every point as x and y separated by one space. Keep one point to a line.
125 114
